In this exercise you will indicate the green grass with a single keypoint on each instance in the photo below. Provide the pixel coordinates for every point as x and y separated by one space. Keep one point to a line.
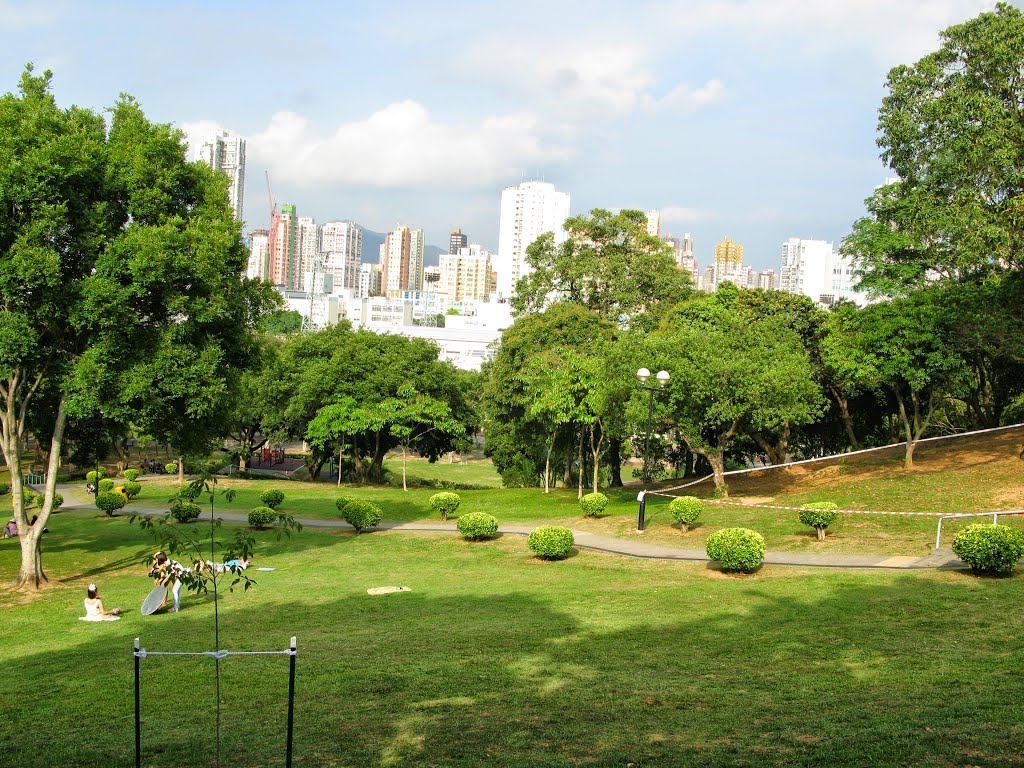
495 658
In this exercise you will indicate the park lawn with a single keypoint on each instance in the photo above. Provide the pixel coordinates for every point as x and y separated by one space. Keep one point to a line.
495 658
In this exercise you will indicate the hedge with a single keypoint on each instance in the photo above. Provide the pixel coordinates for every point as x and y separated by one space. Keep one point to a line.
737 549
362 514
987 548
551 542
593 504
477 525
686 510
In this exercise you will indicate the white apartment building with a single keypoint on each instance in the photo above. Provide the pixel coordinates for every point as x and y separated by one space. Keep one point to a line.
654 223
467 274
528 210
813 268
369 281
226 153
259 255
308 243
417 244
341 242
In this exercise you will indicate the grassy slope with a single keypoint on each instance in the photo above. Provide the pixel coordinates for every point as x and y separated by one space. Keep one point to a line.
495 658
958 475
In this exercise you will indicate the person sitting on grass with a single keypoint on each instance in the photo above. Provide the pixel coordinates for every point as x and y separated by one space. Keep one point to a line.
11 529
94 610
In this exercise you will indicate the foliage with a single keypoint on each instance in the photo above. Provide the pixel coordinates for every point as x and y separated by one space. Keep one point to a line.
132 475
737 549
171 468
110 502
343 501
262 517
476 526
819 515
90 476
551 542
445 503
362 514
58 500
185 511
686 510
28 498
106 484
190 491
987 548
132 489
272 497
283 321
5 488
593 504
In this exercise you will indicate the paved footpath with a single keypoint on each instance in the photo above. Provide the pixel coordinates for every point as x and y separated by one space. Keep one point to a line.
939 558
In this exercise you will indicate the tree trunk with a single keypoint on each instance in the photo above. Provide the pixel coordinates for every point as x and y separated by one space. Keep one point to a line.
181 470
615 462
579 489
844 411
717 461
404 486
547 466
341 456
683 528
596 451
376 473
120 448
821 533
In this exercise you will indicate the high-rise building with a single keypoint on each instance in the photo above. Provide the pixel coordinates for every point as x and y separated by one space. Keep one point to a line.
813 268
457 241
342 244
467 274
528 210
394 261
284 254
369 281
417 247
654 223
729 264
227 153
308 243
728 252
682 248
259 254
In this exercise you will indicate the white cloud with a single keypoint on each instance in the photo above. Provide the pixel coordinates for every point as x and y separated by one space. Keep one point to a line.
402 145
683 99
196 132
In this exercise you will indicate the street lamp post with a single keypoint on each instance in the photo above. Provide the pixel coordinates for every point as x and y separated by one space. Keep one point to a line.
643 374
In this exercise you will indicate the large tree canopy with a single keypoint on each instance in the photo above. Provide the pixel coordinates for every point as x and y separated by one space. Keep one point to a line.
122 293
952 129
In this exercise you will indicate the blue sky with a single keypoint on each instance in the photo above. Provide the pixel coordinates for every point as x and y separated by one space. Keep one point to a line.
753 119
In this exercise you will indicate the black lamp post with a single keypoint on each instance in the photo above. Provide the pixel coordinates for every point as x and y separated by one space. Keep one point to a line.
643 374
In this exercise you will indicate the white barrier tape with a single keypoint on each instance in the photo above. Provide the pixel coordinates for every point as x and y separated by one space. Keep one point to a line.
849 453
143 653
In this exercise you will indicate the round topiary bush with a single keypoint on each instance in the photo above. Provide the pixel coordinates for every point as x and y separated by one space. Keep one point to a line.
550 542
132 489
58 500
737 549
190 492
994 549
477 525
106 484
262 517
185 511
28 497
110 502
593 504
819 515
272 497
686 510
90 477
362 514
343 501
445 503
131 475
172 468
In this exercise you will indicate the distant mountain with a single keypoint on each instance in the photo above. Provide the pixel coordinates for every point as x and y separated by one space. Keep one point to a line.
372 242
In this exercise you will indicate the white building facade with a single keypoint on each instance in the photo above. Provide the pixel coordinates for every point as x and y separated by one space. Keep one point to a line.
813 268
528 210
341 242
223 152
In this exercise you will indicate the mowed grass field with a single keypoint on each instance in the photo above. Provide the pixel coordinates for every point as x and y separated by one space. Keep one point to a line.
963 474
495 658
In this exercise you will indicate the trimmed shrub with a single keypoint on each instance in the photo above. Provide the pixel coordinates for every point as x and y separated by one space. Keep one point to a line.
686 510
343 501
58 500
272 497
737 549
362 514
593 504
262 517
106 484
28 497
989 548
477 525
110 502
185 511
819 515
90 476
172 468
445 503
132 489
550 542
131 475
5 488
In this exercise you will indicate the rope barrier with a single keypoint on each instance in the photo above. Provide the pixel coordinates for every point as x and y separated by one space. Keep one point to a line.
142 653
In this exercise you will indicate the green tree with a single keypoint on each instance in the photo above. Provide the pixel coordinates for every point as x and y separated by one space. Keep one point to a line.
410 417
121 283
283 322
951 129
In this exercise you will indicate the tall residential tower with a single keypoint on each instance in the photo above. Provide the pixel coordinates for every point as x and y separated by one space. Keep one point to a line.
227 153
528 210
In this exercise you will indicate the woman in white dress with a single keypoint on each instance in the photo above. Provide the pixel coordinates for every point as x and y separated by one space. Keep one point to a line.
94 610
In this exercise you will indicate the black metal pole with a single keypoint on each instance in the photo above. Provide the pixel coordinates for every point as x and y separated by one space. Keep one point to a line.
138 712
291 704
647 454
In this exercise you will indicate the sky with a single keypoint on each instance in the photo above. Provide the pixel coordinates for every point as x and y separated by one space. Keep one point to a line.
752 119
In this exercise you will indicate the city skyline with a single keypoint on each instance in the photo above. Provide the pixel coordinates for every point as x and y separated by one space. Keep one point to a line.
632 107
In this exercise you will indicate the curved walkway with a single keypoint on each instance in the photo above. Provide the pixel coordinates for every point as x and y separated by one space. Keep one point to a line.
939 558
